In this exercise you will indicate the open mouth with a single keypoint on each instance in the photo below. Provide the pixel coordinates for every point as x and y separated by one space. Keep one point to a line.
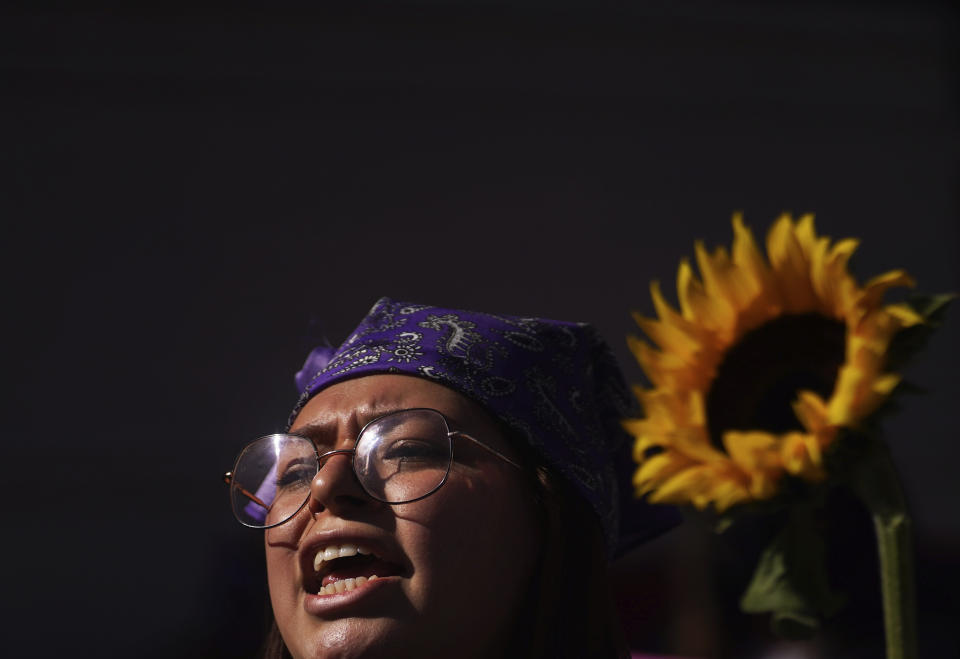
343 568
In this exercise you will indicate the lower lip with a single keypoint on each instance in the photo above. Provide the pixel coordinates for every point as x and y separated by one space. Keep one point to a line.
321 605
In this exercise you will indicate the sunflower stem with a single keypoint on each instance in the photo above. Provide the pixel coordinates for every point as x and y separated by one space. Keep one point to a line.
896 581
877 484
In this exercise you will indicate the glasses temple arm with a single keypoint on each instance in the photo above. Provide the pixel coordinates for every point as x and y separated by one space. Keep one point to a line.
228 479
487 447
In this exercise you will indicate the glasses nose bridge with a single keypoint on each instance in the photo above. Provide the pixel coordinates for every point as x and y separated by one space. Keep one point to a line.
325 483
322 458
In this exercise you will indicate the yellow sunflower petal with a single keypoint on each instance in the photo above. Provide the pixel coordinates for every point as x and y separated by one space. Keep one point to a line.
676 422
669 337
858 393
804 274
884 385
646 435
715 270
874 290
746 255
644 443
667 313
662 368
663 406
840 290
693 484
695 444
791 266
634 426
904 315
806 234
696 409
658 468
811 410
753 451
729 493
696 306
801 455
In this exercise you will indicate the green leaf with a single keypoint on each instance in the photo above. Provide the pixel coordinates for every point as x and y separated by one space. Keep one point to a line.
790 580
932 307
793 625
908 342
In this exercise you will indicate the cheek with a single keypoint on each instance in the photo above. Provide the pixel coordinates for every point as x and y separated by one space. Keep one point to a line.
476 544
279 565
280 548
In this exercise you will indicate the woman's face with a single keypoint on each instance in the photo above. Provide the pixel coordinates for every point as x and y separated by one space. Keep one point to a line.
452 569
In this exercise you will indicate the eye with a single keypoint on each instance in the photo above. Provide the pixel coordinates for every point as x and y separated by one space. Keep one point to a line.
295 475
411 451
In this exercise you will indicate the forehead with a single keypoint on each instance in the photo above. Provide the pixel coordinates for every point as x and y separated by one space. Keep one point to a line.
352 403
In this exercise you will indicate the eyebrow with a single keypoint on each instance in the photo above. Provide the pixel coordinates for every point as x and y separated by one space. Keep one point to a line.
325 431
320 432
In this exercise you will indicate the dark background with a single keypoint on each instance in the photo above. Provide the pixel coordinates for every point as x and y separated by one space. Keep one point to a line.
192 197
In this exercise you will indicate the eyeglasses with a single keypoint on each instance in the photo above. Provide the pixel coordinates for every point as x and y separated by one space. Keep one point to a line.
399 457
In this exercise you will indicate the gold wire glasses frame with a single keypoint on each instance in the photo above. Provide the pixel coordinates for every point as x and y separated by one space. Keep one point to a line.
320 459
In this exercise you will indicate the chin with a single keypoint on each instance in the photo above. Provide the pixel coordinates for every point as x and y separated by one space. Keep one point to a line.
351 638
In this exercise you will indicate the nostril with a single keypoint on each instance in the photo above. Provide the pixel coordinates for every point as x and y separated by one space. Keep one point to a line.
336 482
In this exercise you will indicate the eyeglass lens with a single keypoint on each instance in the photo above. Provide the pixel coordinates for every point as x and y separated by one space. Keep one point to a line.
399 458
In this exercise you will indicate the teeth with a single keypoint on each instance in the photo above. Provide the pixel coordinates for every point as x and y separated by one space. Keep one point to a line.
338 551
344 585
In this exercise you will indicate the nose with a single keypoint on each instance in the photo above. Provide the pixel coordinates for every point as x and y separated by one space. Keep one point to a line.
335 487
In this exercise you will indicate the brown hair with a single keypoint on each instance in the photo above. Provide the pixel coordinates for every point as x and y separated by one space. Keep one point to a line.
572 611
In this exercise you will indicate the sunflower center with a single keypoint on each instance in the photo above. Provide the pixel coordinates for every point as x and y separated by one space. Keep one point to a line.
759 377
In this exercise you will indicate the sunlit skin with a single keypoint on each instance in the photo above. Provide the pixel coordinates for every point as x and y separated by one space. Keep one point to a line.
466 553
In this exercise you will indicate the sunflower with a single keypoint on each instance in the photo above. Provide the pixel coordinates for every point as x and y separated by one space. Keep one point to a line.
762 365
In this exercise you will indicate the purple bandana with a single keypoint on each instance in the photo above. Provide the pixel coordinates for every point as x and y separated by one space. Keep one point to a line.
555 384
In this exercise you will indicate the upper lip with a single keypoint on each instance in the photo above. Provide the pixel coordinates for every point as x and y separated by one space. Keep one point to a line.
381 547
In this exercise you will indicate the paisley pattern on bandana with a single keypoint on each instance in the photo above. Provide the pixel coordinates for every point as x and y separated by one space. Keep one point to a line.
554 383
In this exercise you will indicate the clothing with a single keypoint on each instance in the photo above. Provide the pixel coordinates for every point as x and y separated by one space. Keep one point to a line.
553 383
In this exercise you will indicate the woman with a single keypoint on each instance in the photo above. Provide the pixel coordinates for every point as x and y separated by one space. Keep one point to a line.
446 487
